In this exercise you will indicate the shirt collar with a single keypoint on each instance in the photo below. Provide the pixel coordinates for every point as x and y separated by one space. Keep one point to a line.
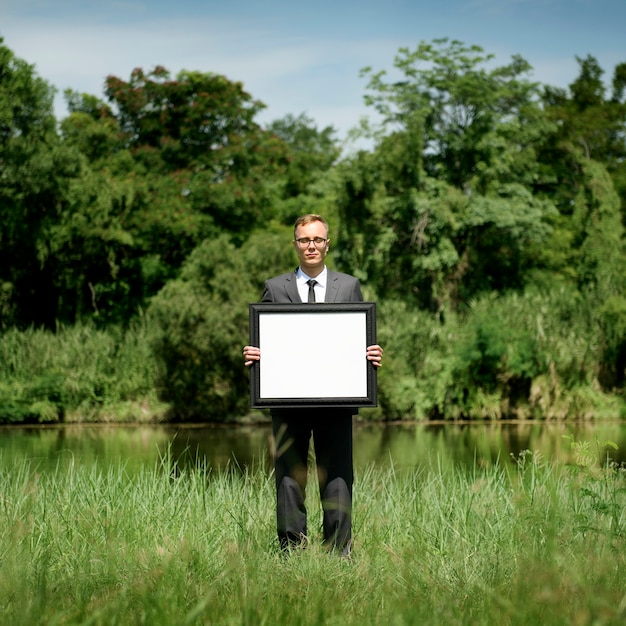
321 278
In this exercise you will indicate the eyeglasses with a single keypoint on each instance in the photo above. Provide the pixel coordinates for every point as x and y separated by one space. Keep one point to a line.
304 242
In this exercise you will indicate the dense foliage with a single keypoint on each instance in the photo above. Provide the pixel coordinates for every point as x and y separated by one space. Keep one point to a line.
486 219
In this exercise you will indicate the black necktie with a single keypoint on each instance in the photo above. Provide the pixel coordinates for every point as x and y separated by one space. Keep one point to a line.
311 283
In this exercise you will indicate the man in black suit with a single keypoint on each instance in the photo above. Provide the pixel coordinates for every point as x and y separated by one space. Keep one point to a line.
331 427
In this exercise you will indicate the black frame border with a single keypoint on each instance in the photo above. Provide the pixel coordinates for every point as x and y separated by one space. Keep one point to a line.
264 308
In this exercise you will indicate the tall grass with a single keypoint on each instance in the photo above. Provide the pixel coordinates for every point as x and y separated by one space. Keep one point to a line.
516 356
529 355
79 373
516 543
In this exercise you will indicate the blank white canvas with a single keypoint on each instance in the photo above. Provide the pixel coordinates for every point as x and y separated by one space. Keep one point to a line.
313 355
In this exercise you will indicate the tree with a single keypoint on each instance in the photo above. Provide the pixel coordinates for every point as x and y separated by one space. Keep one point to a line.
311 151
36 173
167 165
91 127
452 108
601 266
444 209
587 123
200 129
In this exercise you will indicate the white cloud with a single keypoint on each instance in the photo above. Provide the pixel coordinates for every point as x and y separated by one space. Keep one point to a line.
282 59
293 75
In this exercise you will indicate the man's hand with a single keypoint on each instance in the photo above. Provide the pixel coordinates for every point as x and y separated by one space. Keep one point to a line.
250 355
375 355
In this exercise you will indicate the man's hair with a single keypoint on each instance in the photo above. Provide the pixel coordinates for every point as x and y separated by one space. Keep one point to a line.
307 219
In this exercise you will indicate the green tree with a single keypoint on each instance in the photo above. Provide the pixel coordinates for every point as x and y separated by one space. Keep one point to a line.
456 112
589 123
582 161
167 165
601 265
588 118
200 130
91 127
311 151
443 209
36 173
97 261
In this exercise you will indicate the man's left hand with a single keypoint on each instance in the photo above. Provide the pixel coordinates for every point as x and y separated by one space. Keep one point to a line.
375 355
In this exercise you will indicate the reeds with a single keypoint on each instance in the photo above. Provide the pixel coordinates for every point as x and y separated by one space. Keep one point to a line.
519 542
79 373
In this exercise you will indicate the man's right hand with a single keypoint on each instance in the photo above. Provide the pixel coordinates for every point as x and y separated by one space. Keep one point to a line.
250 355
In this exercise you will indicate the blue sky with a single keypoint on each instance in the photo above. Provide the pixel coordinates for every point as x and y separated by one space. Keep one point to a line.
300 57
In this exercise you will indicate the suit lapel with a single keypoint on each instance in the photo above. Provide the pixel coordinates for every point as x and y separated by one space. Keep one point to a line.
291 287
332 287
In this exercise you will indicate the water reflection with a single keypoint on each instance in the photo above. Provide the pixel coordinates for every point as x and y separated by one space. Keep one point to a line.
467 444
406 446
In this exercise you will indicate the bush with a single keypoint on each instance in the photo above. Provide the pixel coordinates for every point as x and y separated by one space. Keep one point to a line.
76 373
530 355
417 369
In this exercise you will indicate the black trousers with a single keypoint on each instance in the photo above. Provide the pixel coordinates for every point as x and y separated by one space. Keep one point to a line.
331 430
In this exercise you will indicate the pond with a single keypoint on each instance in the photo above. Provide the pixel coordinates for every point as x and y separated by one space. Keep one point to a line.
406 446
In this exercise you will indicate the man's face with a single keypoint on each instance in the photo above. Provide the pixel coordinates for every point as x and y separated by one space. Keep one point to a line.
311 255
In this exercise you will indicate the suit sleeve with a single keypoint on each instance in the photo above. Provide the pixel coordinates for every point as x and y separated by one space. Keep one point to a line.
267 293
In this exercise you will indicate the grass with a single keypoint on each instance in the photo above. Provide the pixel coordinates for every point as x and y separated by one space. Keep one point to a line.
515 543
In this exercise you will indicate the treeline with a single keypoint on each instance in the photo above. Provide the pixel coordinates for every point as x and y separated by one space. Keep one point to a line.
486 220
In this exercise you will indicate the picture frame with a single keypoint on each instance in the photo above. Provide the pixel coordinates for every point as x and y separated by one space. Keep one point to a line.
313 355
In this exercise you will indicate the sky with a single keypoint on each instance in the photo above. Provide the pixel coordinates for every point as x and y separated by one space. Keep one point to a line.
300 56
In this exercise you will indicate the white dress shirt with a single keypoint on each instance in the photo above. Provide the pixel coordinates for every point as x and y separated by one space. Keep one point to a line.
320 287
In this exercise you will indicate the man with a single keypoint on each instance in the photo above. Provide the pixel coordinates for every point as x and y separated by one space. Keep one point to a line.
331 427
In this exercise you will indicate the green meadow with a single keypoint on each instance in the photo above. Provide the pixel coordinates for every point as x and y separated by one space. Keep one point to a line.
523 541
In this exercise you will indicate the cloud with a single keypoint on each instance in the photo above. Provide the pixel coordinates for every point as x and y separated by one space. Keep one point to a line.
293 74
293 58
